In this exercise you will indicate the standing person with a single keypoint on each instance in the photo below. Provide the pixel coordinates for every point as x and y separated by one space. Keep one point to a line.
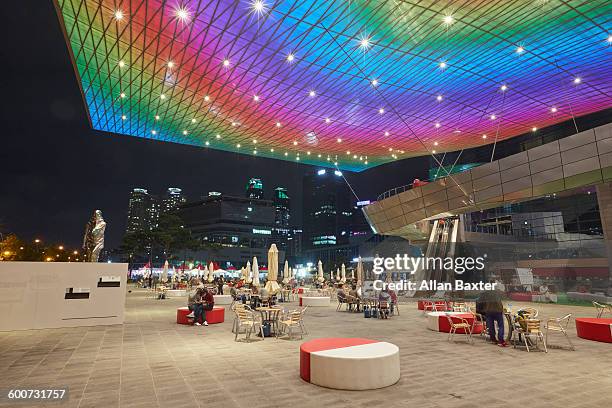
220 283
208 302
494 311
194 303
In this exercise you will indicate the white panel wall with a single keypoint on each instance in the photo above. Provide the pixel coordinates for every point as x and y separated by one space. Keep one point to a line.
33 294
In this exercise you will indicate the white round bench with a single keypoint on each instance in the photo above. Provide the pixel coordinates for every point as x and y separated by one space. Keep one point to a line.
176 292
349 363
314 301
223 299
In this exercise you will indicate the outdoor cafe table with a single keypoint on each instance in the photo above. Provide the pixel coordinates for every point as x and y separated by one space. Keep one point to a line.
270 316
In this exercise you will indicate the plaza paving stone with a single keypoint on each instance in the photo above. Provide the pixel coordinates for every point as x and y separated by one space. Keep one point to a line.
150 361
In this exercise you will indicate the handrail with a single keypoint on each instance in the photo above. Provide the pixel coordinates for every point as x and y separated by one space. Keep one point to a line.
394 191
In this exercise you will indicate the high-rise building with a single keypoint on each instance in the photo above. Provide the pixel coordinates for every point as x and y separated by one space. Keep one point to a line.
255 189
233 228
327 209
172 200
143 211
282 207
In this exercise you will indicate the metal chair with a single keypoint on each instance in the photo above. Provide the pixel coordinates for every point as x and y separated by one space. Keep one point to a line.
295 318
602 308
248 320
559 325
530 330
464 325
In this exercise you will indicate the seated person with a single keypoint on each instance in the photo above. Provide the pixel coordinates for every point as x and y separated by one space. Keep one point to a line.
194 303
353 298
208 302
393 296
384 298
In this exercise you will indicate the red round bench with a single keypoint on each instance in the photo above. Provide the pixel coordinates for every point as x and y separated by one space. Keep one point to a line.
349 363
217 315
591 328
437 321
428 304
521 296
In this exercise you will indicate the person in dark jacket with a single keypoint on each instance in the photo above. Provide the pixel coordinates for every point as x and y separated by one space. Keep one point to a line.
493 309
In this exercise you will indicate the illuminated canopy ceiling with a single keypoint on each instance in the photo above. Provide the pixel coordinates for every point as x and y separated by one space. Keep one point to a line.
357 83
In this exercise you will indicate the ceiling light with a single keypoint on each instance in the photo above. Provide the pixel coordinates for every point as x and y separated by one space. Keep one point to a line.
319 155
504 88
348 152
278 124
295 142
390 149
327 120
365 42
520 50
493 117
374 82
156 117
193 120
153 132
207 98
312 94
435 143
118 15
226 63
534 129
121 64
182 13
484 136
577 80
122 94
259 8
162 96
339 140
553 109
335 163
254 151
437 125
123 117
381 110
433 151
386 133
448 20
439 98
365 162
610 38
442 65
207 143
290 57
184 132
254 141
238 145
218 136
234 124
354 156
170 64
297 158
286 154
272 150
256 98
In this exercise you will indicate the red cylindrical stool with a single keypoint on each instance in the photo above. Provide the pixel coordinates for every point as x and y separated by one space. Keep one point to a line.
217 315
591 328
181 316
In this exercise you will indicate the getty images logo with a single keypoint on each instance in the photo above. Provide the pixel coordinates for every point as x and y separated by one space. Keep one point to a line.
409 264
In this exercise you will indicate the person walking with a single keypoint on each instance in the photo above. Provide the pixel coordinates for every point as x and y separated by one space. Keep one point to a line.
493 309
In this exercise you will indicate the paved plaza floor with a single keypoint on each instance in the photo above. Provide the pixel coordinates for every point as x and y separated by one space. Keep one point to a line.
150 361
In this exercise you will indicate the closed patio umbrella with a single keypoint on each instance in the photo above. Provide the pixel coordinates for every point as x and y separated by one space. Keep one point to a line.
321 278
359 273
211 269
255 272
338 274
272 284
248 273
343 274
286 275
165 272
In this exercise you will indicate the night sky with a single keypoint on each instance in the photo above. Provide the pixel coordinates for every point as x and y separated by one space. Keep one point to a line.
55 170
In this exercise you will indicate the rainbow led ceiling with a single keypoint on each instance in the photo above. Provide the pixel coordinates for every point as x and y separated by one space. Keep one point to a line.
357 83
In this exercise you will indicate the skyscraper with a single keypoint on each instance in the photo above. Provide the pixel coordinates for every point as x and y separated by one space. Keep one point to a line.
143 211
327 209
255 189
282 207
172 200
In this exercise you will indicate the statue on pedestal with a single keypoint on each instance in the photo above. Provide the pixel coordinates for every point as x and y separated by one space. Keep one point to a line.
93 241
